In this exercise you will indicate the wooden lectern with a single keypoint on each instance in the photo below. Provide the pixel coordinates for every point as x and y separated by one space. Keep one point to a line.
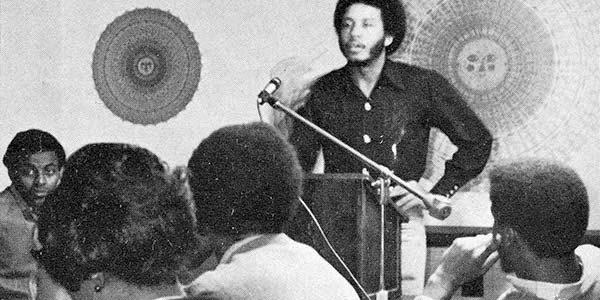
364 233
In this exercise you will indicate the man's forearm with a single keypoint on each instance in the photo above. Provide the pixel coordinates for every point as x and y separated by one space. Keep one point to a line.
438 287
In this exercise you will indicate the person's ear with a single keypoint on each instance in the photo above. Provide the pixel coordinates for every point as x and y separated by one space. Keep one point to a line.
97 280
13 174
509 236
502 235
60 174
389 39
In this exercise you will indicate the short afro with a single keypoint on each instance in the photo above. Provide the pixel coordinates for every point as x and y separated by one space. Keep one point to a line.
29 142
544 201
118 210
392 14
244 179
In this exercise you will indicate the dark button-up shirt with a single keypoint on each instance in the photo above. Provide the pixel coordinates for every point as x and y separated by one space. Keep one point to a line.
392 125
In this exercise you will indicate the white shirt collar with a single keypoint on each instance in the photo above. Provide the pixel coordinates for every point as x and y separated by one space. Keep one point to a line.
249 243
547 290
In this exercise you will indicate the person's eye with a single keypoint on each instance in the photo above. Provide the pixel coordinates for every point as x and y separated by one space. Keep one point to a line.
28 172
50 171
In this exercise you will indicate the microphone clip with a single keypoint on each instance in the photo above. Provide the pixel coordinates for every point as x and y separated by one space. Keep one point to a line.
270 88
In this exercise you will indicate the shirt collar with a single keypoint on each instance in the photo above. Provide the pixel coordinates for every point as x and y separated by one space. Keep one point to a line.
546 290
391 75
247 244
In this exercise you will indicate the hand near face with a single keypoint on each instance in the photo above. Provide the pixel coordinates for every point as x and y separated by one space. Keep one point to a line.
466 259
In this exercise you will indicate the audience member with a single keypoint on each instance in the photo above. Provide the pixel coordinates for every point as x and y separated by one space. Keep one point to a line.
244 179
119 226
34 160
541 212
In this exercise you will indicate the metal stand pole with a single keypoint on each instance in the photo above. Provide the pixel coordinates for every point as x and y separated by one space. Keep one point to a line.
438 208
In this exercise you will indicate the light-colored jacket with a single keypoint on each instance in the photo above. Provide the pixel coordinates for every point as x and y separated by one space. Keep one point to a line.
587 288
16 241
271 267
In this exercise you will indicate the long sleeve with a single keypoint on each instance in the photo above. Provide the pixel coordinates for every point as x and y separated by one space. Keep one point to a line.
16 241
454 118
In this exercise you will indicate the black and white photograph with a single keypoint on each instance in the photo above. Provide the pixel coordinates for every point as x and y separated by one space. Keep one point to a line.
300 150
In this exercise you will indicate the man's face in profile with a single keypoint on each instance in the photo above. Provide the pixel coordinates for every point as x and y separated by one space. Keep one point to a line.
38 176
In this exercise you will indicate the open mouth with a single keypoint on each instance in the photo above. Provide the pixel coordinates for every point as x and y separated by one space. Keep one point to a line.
40 192
354 45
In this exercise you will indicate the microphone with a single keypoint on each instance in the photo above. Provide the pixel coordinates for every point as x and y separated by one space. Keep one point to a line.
269 89
439 206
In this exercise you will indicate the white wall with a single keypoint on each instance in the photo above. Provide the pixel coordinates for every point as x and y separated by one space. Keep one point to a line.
46 49
46 80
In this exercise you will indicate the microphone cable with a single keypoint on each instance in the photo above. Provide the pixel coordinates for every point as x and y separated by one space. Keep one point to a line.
259 111
337 256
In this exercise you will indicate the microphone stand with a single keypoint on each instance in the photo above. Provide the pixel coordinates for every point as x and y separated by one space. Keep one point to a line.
438 208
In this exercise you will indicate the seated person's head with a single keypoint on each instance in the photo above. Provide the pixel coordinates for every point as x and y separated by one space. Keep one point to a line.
244 179
540 207
34 160
119 218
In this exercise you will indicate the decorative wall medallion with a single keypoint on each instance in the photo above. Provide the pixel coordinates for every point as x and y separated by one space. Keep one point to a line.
146 66
499 54
528 68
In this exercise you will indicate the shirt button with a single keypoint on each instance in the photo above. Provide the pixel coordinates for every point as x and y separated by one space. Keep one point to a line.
365 172
368 106
366 138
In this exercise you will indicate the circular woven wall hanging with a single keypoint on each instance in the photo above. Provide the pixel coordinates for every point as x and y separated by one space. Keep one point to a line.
498 54
528 68
146 66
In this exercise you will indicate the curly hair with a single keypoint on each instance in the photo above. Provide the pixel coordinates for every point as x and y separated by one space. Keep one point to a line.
544 201
118 211
26 143
244 179
392 14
